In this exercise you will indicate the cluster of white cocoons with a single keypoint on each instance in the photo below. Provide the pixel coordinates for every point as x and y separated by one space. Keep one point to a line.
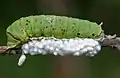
74 46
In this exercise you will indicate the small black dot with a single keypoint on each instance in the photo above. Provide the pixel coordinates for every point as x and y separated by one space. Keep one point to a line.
42 34
40 22
93 34
64 30
72 27
62 33
27 20
21 30
53 28
46 26
51 21
78 33
26 23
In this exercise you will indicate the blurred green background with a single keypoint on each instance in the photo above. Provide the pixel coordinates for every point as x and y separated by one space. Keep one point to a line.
105 65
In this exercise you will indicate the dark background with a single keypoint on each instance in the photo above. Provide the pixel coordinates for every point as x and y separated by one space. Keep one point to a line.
105 65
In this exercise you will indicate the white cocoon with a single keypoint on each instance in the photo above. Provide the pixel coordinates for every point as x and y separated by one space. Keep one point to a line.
21 60
75 46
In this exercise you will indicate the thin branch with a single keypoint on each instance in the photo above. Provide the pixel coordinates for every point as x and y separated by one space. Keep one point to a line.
110 42
3 49
115 42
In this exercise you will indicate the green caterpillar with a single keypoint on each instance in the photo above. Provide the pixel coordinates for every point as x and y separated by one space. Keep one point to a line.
25 28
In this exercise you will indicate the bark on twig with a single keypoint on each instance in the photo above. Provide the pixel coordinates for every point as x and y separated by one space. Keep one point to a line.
3 49
112 42
115 42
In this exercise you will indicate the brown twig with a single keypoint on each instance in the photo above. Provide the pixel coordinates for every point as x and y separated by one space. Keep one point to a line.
115 42
3 49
